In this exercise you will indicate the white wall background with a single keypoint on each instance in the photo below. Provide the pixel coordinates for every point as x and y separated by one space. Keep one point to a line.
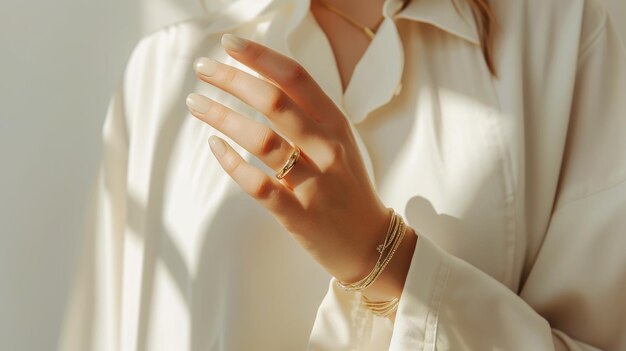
59 63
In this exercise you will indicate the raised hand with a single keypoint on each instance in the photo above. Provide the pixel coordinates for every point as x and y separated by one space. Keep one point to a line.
325 199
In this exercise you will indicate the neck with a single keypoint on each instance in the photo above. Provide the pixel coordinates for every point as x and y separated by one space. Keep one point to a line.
367 13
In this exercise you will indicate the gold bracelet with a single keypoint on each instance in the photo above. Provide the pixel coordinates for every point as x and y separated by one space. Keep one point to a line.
381 308
387 249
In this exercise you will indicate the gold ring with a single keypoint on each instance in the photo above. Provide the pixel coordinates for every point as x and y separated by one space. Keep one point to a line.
295 155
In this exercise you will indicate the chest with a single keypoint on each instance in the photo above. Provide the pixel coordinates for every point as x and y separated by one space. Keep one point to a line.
440 154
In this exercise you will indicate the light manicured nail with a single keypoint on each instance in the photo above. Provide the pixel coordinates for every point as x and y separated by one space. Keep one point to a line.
233 43
218 146
198 103
206 66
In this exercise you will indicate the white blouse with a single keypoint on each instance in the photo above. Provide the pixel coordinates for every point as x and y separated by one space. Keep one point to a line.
515 185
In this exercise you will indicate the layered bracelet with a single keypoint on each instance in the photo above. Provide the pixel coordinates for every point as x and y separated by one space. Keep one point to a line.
381 308
392 241
386 250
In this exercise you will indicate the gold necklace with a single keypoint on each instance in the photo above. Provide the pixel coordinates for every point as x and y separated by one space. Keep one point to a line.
369 32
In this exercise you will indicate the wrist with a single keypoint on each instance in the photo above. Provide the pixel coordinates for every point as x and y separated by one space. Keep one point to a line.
390 283
387 275
364 255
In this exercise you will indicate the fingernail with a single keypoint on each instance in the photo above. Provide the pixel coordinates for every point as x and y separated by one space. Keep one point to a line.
233 43
205 66
218 146
198 103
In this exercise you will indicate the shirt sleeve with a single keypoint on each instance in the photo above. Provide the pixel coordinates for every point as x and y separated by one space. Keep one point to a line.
573 298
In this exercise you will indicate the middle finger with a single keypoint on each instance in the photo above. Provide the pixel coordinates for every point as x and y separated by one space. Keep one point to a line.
261 95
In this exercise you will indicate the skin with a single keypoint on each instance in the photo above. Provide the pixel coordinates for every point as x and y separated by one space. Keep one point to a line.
326 201
348 43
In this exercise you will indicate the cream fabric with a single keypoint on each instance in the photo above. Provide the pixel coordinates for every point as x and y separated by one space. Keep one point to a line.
515 185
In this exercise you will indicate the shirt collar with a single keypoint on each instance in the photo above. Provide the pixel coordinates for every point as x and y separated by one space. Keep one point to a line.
452 16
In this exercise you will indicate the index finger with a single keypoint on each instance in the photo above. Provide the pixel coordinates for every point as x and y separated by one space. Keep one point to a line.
285 72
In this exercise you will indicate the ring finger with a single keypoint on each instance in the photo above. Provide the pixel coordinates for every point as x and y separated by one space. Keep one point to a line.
259 139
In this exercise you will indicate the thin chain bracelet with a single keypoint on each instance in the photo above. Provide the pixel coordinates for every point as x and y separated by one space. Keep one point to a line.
387 249
381 308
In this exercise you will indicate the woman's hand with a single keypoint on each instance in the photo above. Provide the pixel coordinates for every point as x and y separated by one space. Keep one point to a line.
326 201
